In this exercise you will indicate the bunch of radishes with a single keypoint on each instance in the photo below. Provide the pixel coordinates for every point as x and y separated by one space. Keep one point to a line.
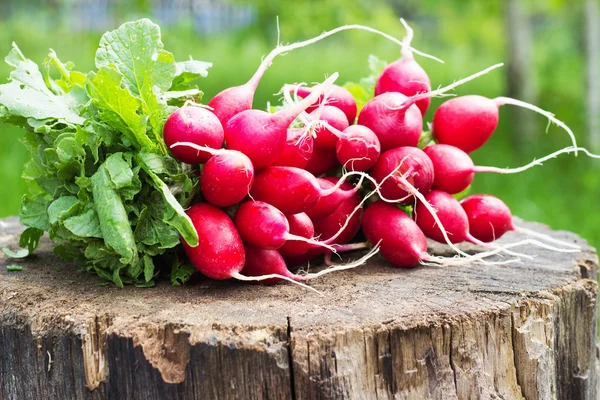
270 200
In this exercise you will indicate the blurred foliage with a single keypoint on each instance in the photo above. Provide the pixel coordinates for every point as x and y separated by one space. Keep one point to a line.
469 35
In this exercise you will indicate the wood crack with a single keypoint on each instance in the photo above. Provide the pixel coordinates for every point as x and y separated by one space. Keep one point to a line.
291 358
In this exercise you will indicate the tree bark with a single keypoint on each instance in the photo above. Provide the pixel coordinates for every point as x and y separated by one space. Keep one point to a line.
520 76
475 331
592 28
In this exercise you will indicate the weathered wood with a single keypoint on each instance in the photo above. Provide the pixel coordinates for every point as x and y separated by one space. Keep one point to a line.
481 331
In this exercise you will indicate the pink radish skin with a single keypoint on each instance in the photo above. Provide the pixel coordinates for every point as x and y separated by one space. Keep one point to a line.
195 125
226 178
321 162
300 225
327 204
402 242
220 252
451 214
453 168
261 262
264 226
327 227
413 165
297 151
339 98
405 76
489 217
325 138
466 122
262 136
358 149
394 118
232 101
291 190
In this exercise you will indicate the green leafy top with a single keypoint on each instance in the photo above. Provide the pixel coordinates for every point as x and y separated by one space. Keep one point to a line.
101 182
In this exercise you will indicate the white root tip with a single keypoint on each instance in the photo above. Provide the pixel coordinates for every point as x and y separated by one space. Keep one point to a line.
341 267
245 278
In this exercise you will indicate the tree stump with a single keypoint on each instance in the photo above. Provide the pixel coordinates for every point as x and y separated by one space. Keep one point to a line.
471 332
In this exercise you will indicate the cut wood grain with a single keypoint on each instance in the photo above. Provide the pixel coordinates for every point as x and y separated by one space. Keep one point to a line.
471 332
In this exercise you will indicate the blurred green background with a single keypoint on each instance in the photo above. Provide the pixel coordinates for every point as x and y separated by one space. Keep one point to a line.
549 46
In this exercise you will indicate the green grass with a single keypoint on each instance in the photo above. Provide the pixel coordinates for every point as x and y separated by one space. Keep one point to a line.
561 194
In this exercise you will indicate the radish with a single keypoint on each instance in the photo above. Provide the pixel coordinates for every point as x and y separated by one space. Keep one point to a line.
467 122
344 223
413 172
401 241
220 252
358 148
264 262
196 125
405 75
300 225
234 100
291 190
450 213
226 177
327 204
325 139
321 162
339 98
395 120
262 136
297 151
264 226
490 218
453 168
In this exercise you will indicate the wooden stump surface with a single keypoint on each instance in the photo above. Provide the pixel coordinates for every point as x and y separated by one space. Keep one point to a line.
475 331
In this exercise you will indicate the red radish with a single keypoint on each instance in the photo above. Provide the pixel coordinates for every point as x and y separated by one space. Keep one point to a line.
401 241
264 226
408 165
405 76
297 151
467 122
260 262
345 214
325 139
453 168
239 98
300 225
358 149
195 125
451 214
489 217
262 136
339 98
395 119
269 263
321 162
220 252
327 204
291 190
226 177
